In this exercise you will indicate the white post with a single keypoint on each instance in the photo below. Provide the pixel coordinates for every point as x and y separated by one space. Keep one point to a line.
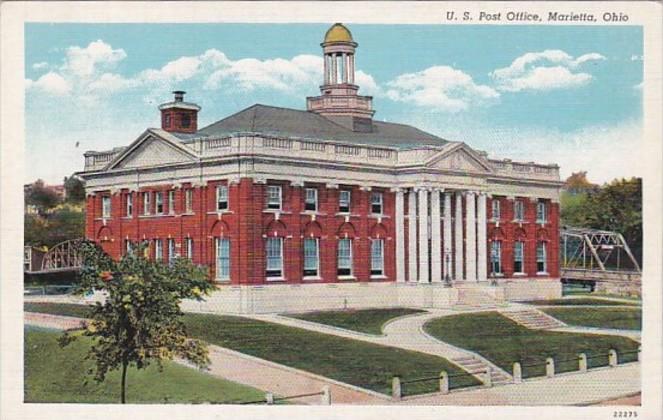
423 235
470 237
326 395
436 238
612 358
488 377
447 233
582 362
458 237
396 392
550 367
269 398
482 243
400 237
444 382
412 236
517 373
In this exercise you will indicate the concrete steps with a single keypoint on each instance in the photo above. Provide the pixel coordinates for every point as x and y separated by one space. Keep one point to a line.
478 367
474 298
533 319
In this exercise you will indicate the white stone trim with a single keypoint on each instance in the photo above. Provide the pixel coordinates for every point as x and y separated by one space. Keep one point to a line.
482 258
400 236
436 237
458 239
423 235
470 237
412 236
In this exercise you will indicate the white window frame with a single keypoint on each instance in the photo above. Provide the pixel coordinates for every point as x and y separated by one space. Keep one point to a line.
146 203
223 270
189 247
106 207
129 205
496 210
377 199
188 200
344 262
518 207
541 212
541 257
344 202
377 258
520 254
493 246
311 197
171 202
273 262
158 202
315 258
158 250
170 242
274 197
222 203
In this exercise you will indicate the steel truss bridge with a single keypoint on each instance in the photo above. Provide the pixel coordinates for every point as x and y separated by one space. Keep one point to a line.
65 256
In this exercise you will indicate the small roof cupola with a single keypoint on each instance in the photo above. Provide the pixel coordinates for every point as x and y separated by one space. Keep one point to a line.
339 100
179 116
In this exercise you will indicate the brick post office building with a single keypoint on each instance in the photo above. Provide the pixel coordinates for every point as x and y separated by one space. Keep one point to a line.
327 207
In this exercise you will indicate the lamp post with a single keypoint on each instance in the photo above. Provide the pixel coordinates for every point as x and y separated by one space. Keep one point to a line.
447 278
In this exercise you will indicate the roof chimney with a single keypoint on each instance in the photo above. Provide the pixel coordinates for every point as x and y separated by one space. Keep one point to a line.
179 116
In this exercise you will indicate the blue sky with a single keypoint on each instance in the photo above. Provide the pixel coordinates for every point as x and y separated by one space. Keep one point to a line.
570 95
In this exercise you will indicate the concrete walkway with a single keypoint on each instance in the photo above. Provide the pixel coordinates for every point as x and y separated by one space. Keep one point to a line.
632 334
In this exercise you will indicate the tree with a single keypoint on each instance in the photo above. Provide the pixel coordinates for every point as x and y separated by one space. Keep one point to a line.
140 319
62 224
39 195
578 183
75 189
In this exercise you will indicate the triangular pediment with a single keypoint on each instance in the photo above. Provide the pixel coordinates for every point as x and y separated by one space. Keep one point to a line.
461 158
151 150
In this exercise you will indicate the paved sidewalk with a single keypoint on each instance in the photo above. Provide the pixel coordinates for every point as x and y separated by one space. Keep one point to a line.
58 322
632 334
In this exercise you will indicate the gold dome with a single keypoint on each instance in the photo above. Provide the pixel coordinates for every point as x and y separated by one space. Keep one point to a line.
338 33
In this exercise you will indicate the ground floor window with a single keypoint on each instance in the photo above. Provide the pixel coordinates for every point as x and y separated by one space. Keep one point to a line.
171 250
188 243
311 259
274 255
496 257
518 253
541 257
128 247
158 249
377 257
344 257
222 258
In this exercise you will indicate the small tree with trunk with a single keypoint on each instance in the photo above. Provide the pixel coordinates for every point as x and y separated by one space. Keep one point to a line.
139 321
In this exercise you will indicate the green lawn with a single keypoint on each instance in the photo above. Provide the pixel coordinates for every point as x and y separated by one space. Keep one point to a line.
368 321
579 301
504 342
53 374
619 318
66 309
362 364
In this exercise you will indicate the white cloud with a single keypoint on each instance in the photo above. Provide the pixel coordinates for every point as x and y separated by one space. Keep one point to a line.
442 88
40 66
636 57
639 86
98 55
543 71
51 83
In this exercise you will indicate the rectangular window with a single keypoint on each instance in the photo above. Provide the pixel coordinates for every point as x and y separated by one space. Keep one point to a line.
518 256
158 250
311 260
377 257
171 250
171 202
311 199
189 248
541 214
376 203
496 209
274 197
344 257
146 203
541 257
129 205
222 259
221 198
518 210
158 202
496 257
188 200
105 207
274 255
128 247
344 201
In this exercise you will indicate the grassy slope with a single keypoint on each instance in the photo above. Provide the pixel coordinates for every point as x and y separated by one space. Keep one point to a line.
620 318
368 321
578 301
53 374
505 342
66 309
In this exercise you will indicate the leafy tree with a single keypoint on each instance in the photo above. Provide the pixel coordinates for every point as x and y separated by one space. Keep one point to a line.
578 183
59 225
140 319
75 189
39 195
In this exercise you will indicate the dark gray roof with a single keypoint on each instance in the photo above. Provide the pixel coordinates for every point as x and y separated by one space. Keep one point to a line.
285 122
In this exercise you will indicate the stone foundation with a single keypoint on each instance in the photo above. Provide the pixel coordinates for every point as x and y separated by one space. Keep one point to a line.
531 289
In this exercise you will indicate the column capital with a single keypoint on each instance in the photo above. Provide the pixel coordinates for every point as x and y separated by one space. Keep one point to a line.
533 199
297 182
422 188
259 180
332 186
510 197
114 191
175 185
396 189
234 180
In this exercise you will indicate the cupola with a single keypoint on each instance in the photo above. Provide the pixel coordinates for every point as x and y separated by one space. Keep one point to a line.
179 116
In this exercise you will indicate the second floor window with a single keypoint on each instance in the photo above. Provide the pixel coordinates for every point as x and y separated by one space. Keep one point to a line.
311 200
221 198
377 257
146 203
274 197
188 200
311 260
105 207
130 205
518 256
541 213
376 203
496 209
344 257
518 210
496 257
274 256
158 202
344 201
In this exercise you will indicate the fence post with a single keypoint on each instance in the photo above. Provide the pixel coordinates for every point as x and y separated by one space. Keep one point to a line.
396 388
444 382
517 373
488 378
269 398
550 367
582 362
612 358
326 395
638 353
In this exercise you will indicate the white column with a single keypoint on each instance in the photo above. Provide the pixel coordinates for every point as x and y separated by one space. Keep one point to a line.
482 262
436 239
334 69
448 270
458 238
470 237
352 68
412 235
400 237
423 235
